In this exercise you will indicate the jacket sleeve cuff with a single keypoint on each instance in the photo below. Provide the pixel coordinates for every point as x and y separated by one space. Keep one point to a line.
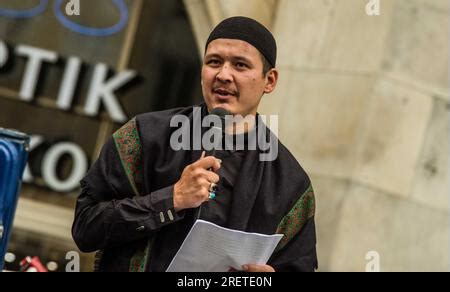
161 203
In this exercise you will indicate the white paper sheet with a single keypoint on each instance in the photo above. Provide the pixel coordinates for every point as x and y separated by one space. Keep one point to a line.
211 248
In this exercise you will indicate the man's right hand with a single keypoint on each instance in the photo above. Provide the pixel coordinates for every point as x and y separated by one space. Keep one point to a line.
193 187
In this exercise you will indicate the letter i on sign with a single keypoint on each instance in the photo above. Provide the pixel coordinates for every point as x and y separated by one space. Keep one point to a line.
73 7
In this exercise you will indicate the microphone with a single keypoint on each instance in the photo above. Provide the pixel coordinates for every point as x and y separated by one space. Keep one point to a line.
218 129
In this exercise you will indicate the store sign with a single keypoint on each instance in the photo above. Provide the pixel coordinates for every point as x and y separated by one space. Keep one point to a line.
101 89
101 92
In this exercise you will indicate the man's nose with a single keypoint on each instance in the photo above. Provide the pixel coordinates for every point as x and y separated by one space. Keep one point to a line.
225 74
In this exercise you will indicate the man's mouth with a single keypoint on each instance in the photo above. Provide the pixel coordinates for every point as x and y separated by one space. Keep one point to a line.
222 92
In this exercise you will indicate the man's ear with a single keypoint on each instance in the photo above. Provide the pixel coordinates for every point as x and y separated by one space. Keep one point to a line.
271 80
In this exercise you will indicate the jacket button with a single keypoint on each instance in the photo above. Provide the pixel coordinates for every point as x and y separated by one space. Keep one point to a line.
161 217
170 215
140 228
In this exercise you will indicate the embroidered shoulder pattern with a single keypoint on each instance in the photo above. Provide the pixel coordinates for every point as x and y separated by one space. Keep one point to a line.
294 221
129 147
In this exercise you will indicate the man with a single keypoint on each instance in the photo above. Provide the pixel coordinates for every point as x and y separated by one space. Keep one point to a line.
141 197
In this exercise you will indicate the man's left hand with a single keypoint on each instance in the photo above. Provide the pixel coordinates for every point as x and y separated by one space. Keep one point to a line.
257 268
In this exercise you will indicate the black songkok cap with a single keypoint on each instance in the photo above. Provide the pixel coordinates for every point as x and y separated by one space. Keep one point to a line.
249 30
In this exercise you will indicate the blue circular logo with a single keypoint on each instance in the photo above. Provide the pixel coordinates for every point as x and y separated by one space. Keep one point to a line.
92 31
73 26
27 13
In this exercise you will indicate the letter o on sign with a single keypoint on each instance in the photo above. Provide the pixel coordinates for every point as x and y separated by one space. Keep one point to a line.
50 163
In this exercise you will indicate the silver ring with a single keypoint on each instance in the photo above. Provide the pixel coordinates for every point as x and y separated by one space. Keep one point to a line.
212 188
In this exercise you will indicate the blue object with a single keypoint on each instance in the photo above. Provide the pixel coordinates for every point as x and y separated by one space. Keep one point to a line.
66 22
92 31
14 147
26 13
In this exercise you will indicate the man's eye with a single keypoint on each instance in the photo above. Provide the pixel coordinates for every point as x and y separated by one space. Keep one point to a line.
241 65
213 62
